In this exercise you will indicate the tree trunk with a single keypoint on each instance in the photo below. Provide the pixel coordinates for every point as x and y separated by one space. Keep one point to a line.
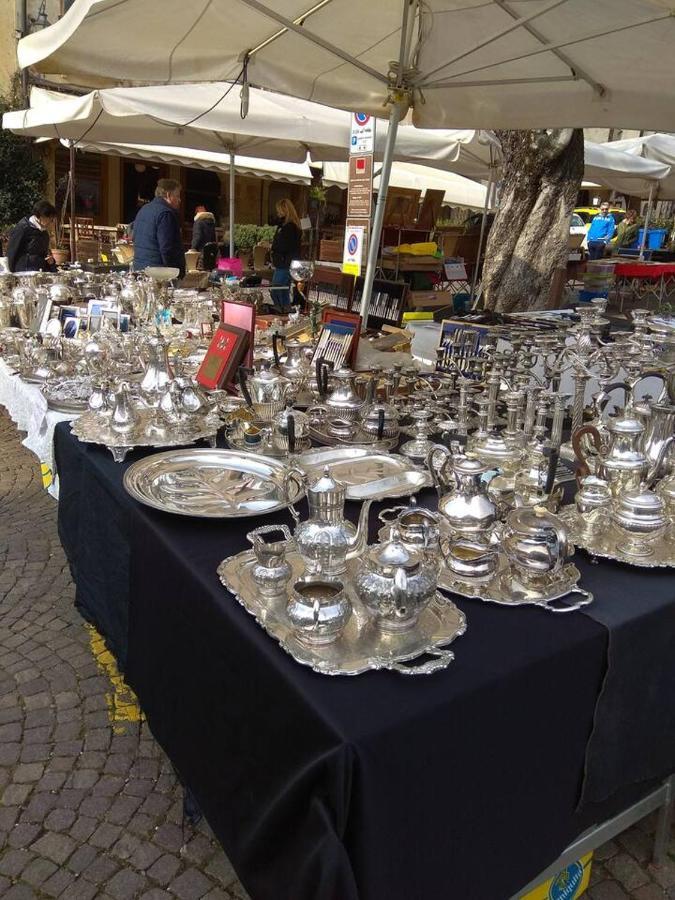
528 241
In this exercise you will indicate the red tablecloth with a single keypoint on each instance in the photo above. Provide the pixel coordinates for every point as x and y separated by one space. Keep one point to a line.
644 270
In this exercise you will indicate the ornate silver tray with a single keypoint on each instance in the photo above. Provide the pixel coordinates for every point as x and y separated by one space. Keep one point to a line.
607 544
94 428
368 473
321 436
212 484
68 395
362 646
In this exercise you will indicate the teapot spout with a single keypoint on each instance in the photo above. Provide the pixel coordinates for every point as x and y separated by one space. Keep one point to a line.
360 540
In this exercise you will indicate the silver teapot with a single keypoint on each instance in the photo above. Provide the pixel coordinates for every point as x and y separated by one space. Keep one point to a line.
343 400
326 540
463 498
536 542
395 582
296 364
265 392
157 372
290 430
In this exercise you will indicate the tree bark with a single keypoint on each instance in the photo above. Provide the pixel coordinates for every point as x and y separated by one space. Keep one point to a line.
528 241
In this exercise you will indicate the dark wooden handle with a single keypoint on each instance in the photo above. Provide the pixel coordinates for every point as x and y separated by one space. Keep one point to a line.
582 465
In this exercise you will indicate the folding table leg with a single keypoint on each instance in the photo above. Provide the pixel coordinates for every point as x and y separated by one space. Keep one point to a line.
664 822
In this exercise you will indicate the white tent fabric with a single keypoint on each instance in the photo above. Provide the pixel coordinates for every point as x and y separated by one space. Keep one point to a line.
612 167
278 170
459 191
206 117
657 148
478 63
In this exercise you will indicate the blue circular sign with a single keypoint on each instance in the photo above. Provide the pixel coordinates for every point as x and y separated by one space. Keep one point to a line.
352 244
566 883
362 118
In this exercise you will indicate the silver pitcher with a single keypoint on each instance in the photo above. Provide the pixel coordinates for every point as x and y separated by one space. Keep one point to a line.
536 543
157 372
124 417
326 540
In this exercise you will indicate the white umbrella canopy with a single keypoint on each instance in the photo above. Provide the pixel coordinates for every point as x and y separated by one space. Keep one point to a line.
477 63
614 168
655 148
458 191
207 117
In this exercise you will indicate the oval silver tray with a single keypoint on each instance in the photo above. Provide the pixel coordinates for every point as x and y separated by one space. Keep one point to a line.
264 448
362 646
329 440
367 473
607 544
211 483
68 407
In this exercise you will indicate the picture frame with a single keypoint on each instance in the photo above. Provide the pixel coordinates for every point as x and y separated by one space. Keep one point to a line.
223 357
241 315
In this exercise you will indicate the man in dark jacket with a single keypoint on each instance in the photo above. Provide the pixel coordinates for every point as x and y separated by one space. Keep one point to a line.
156 232
204 228
28 245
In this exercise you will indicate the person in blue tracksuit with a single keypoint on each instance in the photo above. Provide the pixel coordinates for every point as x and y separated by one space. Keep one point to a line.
601 232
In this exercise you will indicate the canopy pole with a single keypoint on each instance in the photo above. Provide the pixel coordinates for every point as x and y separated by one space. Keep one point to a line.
231 205
73 238
647 218
486 209
374 238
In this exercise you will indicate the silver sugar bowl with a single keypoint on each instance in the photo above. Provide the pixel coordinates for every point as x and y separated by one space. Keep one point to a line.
272 571
318 609
640 517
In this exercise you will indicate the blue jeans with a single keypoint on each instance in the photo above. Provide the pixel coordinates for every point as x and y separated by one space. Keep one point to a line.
596 249
281 277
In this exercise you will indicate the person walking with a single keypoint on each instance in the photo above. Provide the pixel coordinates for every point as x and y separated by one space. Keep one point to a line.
601 232
203 228
156 232
285 248
28 245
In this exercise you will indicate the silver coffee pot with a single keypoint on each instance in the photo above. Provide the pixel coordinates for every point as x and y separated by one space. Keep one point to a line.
343 400
463 497
326 540
265 392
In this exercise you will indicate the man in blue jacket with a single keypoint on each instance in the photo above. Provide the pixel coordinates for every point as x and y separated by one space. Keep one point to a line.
156 230
601 232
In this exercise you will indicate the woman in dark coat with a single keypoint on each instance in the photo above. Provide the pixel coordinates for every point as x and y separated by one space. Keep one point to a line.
285 248
28 245
203 229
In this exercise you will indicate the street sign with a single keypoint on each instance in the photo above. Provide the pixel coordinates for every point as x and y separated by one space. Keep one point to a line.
353 250
360 187
363 134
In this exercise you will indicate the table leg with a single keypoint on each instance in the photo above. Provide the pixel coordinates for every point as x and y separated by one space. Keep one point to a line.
665 819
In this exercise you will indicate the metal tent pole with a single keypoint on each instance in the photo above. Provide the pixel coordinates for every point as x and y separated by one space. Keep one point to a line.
73 239
647 218
231 205
374 238
486 209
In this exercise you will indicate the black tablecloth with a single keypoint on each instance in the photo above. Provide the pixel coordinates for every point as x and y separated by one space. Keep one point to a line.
463 785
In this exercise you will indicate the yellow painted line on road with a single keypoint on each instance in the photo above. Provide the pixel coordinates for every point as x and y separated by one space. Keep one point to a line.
123 707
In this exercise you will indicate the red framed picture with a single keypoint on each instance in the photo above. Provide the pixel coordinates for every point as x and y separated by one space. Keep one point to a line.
226 351
241 315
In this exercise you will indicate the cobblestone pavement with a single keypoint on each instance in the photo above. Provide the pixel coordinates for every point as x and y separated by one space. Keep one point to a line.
90 806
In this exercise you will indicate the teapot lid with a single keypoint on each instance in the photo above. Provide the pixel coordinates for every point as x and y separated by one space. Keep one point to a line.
531 520
468 465
326 484
625 425
640 502
394 554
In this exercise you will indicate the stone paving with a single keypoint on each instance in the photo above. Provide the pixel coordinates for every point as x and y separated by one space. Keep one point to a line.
90 807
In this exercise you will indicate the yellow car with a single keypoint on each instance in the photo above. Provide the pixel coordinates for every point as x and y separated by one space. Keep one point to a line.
587 213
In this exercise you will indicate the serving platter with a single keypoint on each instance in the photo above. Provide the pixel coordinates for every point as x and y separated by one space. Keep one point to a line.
68 395
368 473
606 543
362 646
213 483
321 435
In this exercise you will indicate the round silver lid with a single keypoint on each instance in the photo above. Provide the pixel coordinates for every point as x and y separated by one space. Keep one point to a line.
326 484
394 554
625 426
531 521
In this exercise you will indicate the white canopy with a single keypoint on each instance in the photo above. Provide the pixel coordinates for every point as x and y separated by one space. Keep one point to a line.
656 148
612 167
478 63
207 117
459 191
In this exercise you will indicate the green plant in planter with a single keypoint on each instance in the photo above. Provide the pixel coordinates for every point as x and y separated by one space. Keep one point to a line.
317 193
247 236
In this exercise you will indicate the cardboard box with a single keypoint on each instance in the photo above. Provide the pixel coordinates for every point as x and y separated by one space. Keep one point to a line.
429 299
569 884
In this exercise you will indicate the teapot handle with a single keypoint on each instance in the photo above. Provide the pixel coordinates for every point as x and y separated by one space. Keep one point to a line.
321 377
293 475
400 592
380 424
275 348
583 468
291 434
241 374
437 473
387 516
